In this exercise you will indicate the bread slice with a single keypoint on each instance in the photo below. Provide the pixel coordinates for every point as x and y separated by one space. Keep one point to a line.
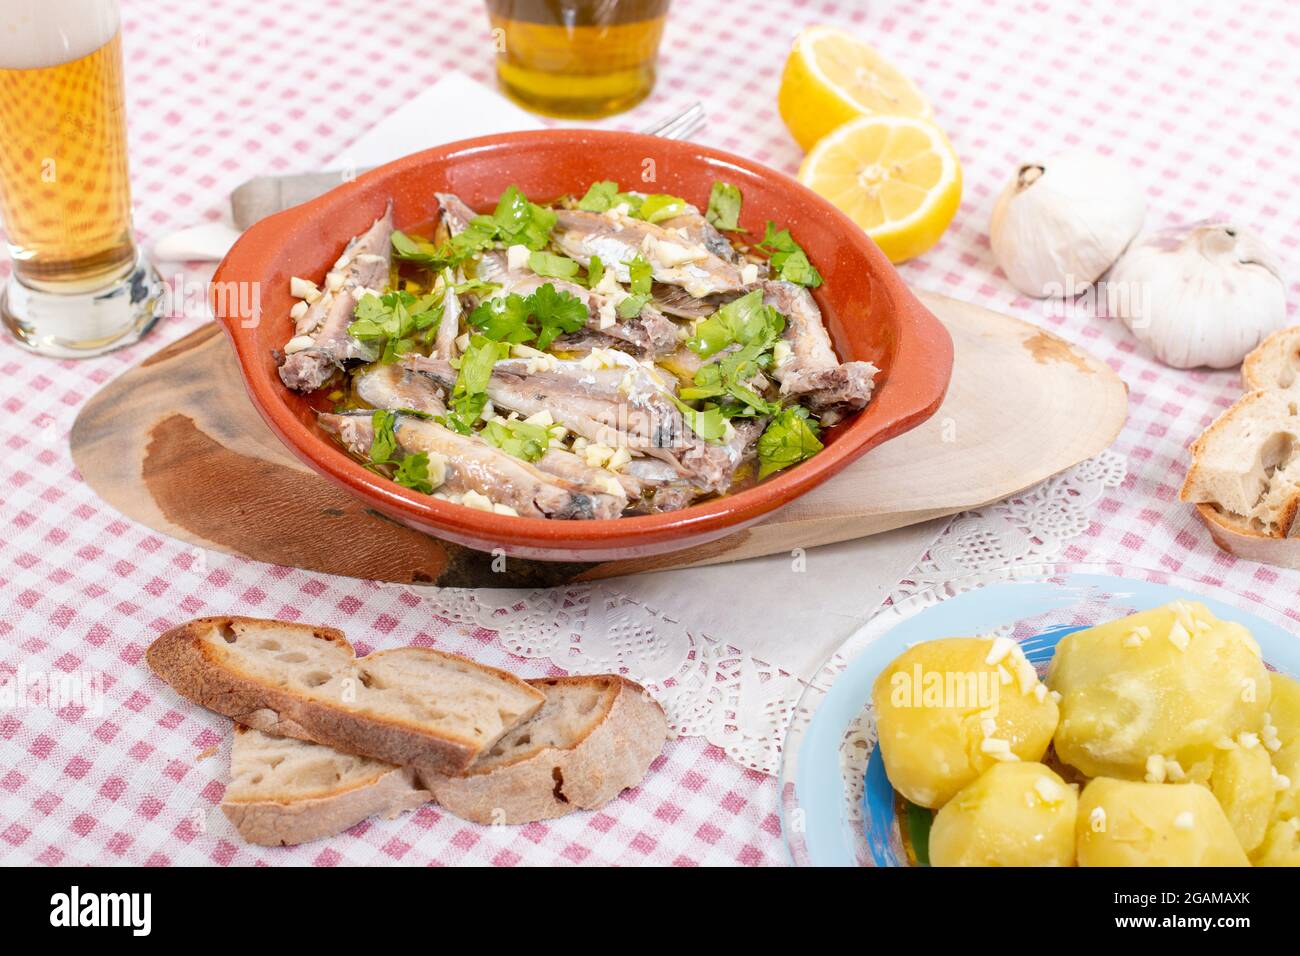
1275 362
409 706
1247 464
593 738
284 791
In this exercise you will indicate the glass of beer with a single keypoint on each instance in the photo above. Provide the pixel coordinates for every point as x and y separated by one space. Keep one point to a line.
79 285
577 58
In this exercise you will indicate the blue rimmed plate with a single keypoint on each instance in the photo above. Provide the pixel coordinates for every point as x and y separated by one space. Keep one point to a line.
837 808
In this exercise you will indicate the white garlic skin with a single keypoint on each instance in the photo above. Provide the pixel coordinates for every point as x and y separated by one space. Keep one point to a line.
1199 295
1059 224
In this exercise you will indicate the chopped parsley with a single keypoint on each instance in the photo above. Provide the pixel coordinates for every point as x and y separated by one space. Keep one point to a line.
411 471
603 196
395 323
743 321
641 279
791 437
595 272
551 266
788 260
474 371
540 317
724 207
660 206
515 221
519 438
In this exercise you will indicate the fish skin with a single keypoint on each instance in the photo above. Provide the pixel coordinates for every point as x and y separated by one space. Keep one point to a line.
474 465
326 322
565 464
444 343
606 406
814 373
649 333
393 387
581 235
700 231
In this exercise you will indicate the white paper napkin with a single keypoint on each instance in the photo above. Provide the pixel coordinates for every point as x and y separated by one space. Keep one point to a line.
456 107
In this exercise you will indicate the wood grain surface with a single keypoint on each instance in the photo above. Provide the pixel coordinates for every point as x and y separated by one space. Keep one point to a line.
175 445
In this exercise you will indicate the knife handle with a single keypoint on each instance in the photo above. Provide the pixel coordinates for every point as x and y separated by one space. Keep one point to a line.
264 195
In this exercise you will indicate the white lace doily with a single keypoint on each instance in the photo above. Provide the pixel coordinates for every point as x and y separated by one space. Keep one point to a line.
709 686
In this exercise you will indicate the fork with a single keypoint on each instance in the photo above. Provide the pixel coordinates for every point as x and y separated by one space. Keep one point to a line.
682 125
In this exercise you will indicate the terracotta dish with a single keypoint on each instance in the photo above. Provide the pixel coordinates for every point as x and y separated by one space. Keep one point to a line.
870 313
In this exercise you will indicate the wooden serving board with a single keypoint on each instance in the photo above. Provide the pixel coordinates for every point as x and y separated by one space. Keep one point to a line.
176 445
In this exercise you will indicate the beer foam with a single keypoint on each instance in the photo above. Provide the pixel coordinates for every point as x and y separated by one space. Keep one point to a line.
44 33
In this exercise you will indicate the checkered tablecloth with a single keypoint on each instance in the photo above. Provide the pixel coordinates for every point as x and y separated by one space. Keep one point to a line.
1199 99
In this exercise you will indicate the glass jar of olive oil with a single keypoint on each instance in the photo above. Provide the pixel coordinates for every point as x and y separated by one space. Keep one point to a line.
577 58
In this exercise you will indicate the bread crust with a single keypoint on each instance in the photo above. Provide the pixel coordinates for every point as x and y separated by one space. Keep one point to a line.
266 822
181 658
1247 543
550 782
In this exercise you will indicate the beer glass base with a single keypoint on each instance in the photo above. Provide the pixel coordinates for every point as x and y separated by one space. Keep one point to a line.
83 324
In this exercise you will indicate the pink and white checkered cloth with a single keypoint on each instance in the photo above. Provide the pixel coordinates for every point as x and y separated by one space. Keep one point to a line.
1200 100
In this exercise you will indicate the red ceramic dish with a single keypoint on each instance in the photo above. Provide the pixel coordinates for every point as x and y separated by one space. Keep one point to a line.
871 316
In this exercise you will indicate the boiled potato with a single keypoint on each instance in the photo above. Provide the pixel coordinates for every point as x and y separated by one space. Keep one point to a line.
1281 846
949 709
1148 697
1123 823
1280 738
1242 782
1014 814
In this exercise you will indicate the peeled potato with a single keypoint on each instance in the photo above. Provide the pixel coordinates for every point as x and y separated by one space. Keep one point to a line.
1123 823
1014 814
1281 846
1161 686
1242 782
949 709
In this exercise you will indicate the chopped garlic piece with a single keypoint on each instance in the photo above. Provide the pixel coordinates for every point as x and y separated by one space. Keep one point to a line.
472 499
999 649
367 258
501 509
1174 771
1179 636
1004 676
302 288
1185 821
994 745
1049 790
1040 692
619 459
334 281
517 257
988 726
1097 819
749 273
462 342
597 454
608 314
1248 740
609 484
1155 769
297 344
299 310
542 418
781 353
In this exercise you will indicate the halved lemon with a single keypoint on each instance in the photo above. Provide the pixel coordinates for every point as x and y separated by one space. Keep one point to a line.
832 77
895 176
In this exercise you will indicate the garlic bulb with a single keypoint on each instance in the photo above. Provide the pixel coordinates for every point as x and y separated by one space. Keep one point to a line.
1204 294
1060 224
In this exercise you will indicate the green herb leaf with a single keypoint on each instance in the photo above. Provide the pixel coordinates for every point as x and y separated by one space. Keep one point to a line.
791 437
746 320
384 322
469 396
601 196
384 444
724 207
641 276
595 272
788 260
552 266
629 307
660 206
413 472
519 438
556 312
503 319
519 221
